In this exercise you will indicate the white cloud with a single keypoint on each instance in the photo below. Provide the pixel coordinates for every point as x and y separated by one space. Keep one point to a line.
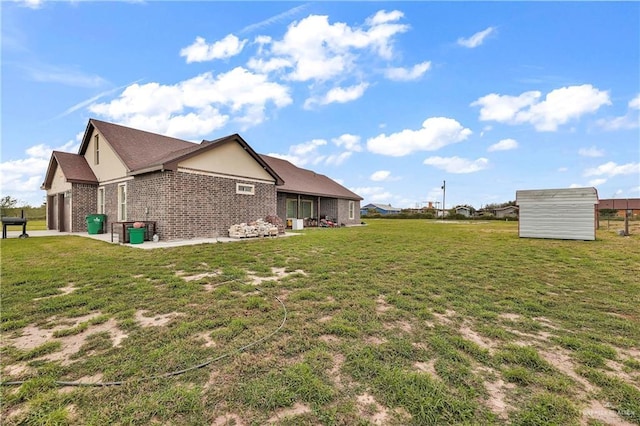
21 179
563 169
200 51
404 74
380 175
68 76
274 19
436 132
612 169
339 95
597 182
576 185
591 152
314 49
558 107
630 120
373 194
31 4
503 145
477 39
457 164
195 107
337 159
349 142
304 153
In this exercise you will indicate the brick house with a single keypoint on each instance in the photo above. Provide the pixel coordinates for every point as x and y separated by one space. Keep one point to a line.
189 190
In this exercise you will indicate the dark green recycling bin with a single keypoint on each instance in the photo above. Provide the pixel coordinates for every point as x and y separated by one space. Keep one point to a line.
136 235
95 223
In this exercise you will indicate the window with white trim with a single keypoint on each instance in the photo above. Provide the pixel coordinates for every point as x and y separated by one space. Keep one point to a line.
307 208
96 149
352 210
292 208
101 200
122 202
245 188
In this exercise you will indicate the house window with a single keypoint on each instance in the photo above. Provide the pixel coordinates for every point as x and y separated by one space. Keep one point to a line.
352 209
122 202
292 208
246 189
96 151
307 208
101 200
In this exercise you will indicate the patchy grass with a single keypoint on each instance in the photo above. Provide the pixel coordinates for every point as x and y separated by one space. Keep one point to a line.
398 322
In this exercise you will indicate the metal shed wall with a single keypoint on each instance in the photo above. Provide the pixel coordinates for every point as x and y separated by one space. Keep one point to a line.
568 213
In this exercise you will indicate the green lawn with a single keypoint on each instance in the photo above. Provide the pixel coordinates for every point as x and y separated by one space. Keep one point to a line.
397 322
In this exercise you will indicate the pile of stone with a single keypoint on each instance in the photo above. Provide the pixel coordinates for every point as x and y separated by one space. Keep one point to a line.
258 228
276 221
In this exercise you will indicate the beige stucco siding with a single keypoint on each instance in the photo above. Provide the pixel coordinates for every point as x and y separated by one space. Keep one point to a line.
59 182
229 159
109 167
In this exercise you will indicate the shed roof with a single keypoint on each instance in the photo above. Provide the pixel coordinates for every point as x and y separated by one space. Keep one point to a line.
587 195
74 167
303 181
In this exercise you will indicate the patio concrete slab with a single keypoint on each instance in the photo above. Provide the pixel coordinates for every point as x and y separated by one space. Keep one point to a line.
147 245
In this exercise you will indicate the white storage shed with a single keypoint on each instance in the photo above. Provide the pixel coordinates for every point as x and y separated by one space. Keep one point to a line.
565 214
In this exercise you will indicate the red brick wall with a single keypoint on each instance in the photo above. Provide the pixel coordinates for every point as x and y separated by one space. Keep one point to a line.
84 201
188 205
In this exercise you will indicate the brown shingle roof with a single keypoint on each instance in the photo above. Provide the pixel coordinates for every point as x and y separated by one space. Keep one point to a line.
74 167
302 181
137 149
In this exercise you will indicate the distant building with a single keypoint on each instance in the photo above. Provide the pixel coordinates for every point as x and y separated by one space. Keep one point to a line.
382 209
463 211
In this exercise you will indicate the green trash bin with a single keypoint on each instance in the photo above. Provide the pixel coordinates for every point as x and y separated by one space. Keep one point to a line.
95 223
136 235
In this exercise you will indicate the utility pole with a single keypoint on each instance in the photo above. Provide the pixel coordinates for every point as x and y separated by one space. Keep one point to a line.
444 191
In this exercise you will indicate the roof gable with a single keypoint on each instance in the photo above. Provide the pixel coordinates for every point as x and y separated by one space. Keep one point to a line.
74 167
143 152
303 181
137 149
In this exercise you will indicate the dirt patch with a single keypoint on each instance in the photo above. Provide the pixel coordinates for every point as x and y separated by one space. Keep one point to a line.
618 371
471 335
547 323
446 317
279 273
561 360
371 410
326 318
381 305
63 292
327 338
510 317
338 361
399 325
297 410
427 367
33 337
196 277
206 336
541 335
602 413
228 420
497 395
373 340
157 321
18 370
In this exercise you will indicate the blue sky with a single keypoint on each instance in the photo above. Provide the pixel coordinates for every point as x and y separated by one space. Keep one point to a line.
388 98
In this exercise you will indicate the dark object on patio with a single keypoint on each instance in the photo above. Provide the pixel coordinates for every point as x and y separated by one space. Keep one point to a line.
14 221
